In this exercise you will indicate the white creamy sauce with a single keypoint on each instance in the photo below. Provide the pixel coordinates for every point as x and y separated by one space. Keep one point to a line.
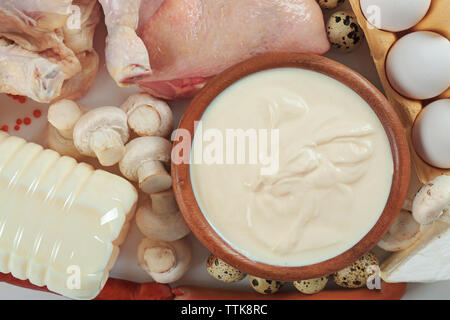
335 169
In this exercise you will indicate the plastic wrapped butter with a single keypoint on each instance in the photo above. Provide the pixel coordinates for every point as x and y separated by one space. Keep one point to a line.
61 222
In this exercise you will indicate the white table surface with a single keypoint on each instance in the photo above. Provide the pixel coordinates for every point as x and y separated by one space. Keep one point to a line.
105 92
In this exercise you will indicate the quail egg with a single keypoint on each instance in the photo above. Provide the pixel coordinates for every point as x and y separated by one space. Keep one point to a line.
356 275
222 271
343 31
264 286
311 286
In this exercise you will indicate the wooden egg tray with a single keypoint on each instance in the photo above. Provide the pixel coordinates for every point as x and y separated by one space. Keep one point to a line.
380 41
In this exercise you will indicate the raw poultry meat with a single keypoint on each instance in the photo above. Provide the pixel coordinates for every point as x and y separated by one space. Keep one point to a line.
46 48
171 48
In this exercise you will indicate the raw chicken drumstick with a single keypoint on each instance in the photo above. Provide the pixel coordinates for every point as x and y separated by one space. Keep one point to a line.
126 55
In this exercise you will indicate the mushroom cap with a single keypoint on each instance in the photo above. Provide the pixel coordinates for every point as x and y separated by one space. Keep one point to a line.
402 234
64 114
183 257
167 226
103 118
141 150
147 115
432 201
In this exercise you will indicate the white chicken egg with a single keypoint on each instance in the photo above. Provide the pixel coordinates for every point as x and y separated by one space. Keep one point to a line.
418 65
431 134
394 15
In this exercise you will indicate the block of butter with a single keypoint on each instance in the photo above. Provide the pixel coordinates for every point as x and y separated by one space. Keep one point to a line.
61 222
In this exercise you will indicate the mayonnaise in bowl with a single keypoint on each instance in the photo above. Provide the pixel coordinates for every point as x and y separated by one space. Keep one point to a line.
328 175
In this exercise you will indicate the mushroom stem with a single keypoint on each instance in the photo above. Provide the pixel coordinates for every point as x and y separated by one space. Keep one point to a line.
66 134
161 219
144 162
108 146
144 118
159 259
148 116
58 143
407 205
404 232
153 177
164 202
165 262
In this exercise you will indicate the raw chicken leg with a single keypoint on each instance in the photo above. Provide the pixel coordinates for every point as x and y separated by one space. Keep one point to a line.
126 55
41 55
190 41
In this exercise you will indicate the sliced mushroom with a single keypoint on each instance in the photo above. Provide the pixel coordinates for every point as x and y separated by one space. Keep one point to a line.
432 202
165 262
403 233
148 116
102 133
161 219
144 162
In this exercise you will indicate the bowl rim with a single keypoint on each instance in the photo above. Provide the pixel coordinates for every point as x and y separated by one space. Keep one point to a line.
393 127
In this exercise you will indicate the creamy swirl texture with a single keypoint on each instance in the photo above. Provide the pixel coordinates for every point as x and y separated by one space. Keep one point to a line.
334 168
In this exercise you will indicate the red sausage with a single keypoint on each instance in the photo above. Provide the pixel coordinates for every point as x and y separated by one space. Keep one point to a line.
115 289
389 291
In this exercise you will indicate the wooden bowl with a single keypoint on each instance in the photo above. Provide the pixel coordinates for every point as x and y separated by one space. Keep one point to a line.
202 229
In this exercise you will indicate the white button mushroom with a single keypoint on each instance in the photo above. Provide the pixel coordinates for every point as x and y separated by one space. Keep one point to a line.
62 117
162 219
165 262
58 143
432 202
148 116
102 133
431 134
144 162
403 233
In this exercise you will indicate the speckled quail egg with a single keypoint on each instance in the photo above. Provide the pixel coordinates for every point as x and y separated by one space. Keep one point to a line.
330 4
343 31
222 271
311 286
355 275
264 286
